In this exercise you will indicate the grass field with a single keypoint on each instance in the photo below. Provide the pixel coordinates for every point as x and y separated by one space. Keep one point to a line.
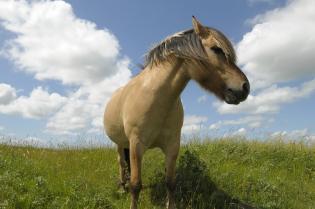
213 174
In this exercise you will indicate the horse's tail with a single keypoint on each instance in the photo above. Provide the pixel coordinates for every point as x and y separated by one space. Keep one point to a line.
127 157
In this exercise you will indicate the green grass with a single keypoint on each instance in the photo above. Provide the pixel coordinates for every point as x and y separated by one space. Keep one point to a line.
213 174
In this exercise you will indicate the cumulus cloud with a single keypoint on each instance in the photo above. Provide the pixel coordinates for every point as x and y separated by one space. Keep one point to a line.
7 93
202 99
300 134
51 43
253 121
85 107
281 45
38 104
278 50
241 132
193 123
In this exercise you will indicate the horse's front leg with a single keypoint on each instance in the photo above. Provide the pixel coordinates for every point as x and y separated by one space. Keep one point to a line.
136 153
171 153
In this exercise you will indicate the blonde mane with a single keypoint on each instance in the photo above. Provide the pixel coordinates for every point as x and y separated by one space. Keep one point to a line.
187 45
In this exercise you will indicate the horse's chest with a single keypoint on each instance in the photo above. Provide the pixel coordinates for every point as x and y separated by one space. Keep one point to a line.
155 122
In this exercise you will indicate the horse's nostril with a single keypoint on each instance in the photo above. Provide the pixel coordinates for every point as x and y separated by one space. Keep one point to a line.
246 87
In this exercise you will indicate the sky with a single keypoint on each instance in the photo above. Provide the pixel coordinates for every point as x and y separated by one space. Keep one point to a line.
60 61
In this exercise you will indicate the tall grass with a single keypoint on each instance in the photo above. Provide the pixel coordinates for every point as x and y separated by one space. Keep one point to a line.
213 174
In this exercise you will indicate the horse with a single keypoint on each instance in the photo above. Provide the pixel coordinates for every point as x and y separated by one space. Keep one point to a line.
147 112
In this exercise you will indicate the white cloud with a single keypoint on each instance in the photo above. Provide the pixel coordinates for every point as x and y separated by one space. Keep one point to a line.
85 107
202 99
215 126
242 132
253 121
7 94
300 134
310 140
39 104
51 43
193 123
269 100
280 48
281 45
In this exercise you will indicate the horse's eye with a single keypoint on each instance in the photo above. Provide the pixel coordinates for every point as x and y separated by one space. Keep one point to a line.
217 50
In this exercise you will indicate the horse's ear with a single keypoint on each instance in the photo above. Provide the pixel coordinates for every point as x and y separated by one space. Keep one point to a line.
198 27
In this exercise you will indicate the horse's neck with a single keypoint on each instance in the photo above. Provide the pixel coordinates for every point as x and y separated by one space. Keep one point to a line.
168 78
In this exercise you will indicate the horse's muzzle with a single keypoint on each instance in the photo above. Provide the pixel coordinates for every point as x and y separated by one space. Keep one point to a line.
236 96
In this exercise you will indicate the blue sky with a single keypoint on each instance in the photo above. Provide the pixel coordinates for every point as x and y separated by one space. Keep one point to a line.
61 60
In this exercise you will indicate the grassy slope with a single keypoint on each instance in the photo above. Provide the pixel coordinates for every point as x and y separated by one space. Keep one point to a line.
267 175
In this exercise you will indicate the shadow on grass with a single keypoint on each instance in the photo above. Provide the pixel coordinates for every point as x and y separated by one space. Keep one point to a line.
194 188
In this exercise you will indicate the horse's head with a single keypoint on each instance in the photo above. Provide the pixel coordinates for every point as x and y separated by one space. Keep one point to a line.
217 71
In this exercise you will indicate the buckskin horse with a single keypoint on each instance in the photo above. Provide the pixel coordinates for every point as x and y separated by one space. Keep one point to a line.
147 112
